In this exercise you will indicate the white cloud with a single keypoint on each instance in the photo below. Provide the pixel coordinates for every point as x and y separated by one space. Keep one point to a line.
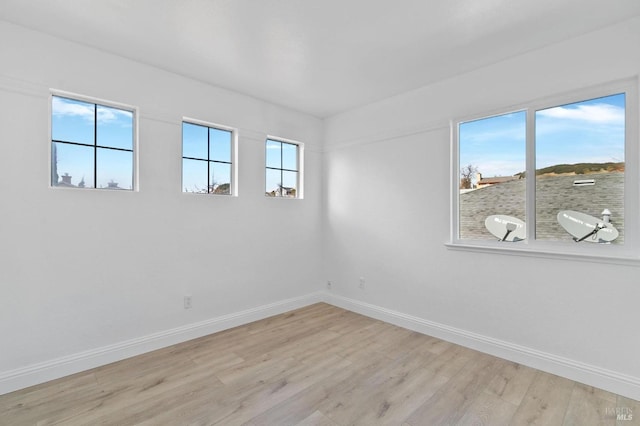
108 115
597 113
64 107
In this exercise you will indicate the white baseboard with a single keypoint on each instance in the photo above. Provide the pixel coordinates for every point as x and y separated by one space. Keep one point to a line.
591 375
584 373
49 370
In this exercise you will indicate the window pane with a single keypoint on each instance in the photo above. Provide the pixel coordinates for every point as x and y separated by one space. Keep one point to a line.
115 169
580 163
289 184
194 142
115 127
289 156
491 166
274 152
194 176
274 181
220 148
220 176
72 121
71 165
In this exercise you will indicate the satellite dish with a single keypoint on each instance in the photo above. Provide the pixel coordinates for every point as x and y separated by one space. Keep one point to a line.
506 228
584 227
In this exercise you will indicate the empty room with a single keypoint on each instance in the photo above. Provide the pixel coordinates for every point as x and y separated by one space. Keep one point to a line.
286 212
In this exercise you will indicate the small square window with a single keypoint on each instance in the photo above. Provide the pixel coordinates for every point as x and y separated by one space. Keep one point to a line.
282 169
207 159
91 145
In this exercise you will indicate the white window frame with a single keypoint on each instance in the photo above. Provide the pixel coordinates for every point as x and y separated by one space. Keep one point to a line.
300 166
110 104
233 188
629 252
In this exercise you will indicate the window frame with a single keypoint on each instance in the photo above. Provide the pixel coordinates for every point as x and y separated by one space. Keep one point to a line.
233 187
624 253
299 165
104 103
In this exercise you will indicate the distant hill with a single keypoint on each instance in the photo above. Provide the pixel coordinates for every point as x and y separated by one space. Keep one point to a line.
578 169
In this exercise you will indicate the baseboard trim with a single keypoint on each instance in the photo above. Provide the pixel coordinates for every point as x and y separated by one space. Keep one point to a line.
60 367
602 378
609 380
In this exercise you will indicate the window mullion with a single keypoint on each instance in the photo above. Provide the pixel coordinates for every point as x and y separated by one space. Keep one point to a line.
530 192
632 168
298 186
95 145
208 160
454 161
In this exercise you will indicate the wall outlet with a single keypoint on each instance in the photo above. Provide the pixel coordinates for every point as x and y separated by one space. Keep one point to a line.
328 285
187 301
361 283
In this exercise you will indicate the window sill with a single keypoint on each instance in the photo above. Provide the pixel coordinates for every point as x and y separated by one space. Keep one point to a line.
563 252
210 194
91 189
283 198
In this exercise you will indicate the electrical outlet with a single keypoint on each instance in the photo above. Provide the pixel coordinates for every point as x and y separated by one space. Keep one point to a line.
361 284
187 301
328 285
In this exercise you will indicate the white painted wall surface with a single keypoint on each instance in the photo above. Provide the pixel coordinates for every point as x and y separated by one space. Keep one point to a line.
84 269
388 206
102 274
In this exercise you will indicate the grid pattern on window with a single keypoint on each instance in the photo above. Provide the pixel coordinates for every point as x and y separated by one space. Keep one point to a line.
91 145
207 153
282 169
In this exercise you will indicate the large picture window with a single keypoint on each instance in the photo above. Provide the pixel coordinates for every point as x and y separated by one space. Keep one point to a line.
549 176
91 145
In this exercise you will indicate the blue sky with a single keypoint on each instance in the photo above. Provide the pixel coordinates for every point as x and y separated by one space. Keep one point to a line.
589 131
75 121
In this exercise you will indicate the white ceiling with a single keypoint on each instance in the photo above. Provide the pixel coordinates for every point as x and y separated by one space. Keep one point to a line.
321 57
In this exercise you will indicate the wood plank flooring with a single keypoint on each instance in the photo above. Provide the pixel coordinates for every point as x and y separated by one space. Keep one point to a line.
319 365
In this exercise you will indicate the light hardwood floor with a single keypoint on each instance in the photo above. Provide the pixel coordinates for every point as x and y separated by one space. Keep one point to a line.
319 365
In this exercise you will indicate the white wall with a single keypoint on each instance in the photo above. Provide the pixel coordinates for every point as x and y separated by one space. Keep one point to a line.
85 270
388 208
91 271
